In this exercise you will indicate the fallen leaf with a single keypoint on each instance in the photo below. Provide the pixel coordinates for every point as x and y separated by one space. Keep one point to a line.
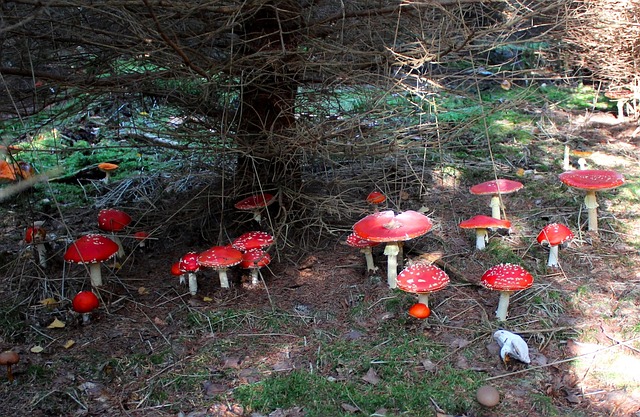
349 408
143 291
48 302
207 299
56 324
158 321
284 365
69 343
371 377
232 362
289 412
37 349
428 365
211 389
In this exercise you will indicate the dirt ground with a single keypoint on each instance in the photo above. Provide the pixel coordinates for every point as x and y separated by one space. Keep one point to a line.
109 366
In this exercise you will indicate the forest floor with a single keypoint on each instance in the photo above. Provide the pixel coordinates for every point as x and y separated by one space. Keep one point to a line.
151 349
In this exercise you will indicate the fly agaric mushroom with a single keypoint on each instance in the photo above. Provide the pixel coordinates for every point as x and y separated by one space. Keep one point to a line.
554 235
189 265
35 235
252 240
481 224
84 303
376 198
506 278
113 220
592 180
255 259
365 246
496 188
620 97
176 272
422 279
92 250
255 204
142 237
386 226
220 258
9 358
108 169
419 311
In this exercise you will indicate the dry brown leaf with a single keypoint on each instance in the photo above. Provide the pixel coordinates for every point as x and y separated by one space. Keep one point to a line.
48 302
428 365
69 343
143 291
56 324
371 377
159 322
349 408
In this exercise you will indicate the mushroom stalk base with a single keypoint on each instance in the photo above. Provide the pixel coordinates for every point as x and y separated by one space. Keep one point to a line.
224 280
424 299
42 254
391 250
255 279
95 274
120 248
553 256
369 257
482 237
193 283
592 209
503 305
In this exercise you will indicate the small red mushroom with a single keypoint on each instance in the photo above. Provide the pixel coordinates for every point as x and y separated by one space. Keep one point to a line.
496 188
481 224
176 272
365 246
255 204
35 235
253 260
506 278
554 235
142 237
422 279
375 198
420 311
84 303
189 265
113 220
220 258
92 250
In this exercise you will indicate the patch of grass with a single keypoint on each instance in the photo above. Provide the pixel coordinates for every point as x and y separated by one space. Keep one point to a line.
501 252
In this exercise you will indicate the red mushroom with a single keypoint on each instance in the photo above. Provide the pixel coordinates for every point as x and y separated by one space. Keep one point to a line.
386 226
9 358
252 240
365 246
419 311
35 235
554 235
481 224
255 204
92 250
376 198
506 278
189 265
496 188
142 237
113 220
422 279
84 303
176 272
220 258
592 180
255 259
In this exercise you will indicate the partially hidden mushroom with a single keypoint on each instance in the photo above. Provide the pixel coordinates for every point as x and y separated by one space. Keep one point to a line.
252 240
92 250
141 237
365 246
392 229
496 188
84 303
220 258
621 97
176 272
375 198
592 180
9 358
189 265
255 204
481 224
113 221
554 235
422 279
35 235
506 278
253 260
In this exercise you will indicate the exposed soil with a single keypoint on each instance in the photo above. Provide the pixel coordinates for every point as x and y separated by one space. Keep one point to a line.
117 360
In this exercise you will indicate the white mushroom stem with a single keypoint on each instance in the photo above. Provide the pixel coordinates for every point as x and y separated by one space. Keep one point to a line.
391 250
503 305
95 274
424 298
482 237
193 283
183 280
495 206
257 216
255 279
42 254
592 209
86 318
116 239
566 166
368 255
224 280
553 256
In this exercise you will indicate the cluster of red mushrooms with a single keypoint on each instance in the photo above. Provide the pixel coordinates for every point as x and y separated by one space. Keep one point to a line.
423 278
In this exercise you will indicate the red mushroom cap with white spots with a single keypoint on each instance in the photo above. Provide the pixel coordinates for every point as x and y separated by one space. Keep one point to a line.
500 186
386 226
113 220
555 234
422 278
484 222
255 258
189 262
220 257
91 249
507 277
255 202
252 240
592 179
358 242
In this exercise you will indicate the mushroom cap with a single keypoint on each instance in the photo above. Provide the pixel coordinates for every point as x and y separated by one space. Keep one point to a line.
35 234
255 258
488 396
255 202
189 262
107 167
85 302
419 311
422 278
7 172
507 277
386 226
592 179
555 234
618 94
500 186
484 222
252 240
175 269
220 257
90 249
359 242
113 220
9 357
141 235
376 197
